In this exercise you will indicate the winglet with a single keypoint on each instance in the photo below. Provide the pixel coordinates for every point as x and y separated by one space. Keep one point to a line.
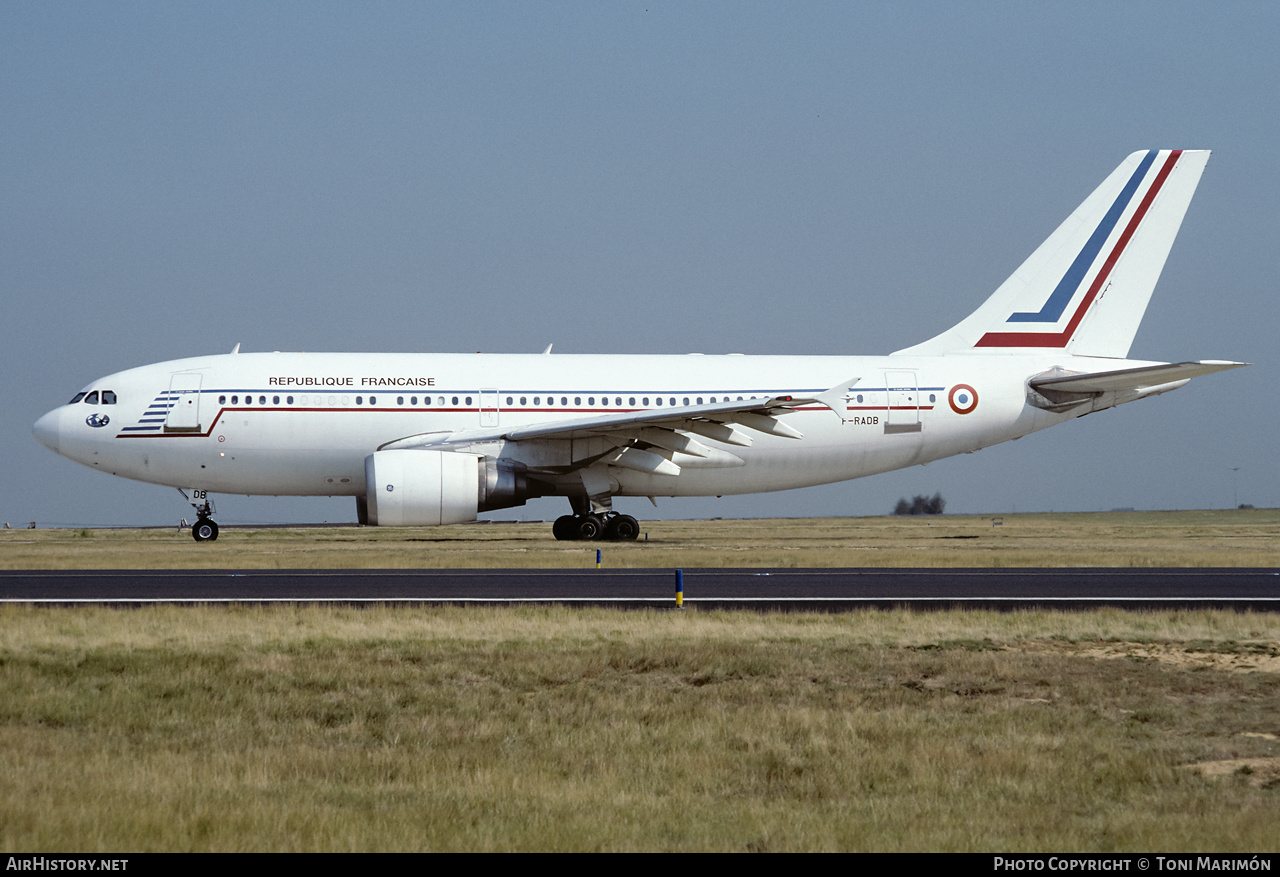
835 398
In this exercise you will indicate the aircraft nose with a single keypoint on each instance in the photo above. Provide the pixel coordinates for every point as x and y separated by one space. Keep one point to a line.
47 430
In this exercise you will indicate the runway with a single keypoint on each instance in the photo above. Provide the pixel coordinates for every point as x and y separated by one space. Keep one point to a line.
763 589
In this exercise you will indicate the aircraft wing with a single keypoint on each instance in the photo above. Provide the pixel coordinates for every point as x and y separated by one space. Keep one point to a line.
668 430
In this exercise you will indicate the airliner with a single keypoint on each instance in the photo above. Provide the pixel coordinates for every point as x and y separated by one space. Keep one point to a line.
429 439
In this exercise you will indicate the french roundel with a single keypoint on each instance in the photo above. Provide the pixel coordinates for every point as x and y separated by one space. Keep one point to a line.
962 398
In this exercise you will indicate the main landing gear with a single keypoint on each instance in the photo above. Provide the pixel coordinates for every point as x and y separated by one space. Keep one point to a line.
609 525
205 529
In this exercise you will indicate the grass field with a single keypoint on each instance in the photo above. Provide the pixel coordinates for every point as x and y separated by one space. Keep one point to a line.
447 728
322 728
1248 538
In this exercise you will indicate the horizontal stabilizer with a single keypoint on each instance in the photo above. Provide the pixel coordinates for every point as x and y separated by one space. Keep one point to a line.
1132 379
1062 390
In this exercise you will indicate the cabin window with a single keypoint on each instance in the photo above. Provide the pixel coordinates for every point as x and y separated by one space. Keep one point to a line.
222 400
591 400
235 400
359 400
618 402
289 399
673 400
468 400
686 400
399 400
564 401
658 400
373 400
524 400
440 401
535 400
604 400
645 401
699 400
413 400
859 397
632 401
933 398
248 400
577 401
455 400
508 400
275 400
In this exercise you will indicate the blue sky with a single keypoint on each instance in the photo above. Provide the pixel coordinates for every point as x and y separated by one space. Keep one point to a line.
177 178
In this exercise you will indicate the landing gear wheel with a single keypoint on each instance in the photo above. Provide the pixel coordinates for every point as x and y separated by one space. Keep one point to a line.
565 528
205 530
584 528
623 528
589 527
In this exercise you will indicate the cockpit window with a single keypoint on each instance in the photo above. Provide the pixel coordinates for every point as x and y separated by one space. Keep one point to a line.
92 398
76 398
108 397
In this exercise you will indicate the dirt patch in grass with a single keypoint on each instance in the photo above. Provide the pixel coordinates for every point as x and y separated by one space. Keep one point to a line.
1232 657
1260 773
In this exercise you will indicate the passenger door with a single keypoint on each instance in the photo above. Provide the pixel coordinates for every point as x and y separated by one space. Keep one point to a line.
184 407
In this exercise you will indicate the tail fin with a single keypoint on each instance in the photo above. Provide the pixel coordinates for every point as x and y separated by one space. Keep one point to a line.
1086 288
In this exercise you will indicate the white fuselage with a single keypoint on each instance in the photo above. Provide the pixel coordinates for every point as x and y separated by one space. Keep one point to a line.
302 424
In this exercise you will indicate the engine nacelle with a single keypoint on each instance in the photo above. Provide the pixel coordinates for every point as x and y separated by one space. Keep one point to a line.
421 488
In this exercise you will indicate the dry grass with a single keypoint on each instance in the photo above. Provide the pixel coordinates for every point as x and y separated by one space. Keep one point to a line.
1242 538
323 728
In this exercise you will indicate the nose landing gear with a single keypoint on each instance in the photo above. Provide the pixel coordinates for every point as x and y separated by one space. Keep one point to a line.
205 529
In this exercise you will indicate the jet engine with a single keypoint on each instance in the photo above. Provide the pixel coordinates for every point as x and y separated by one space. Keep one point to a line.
417 488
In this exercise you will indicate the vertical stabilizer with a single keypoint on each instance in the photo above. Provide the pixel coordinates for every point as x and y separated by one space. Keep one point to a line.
1086 288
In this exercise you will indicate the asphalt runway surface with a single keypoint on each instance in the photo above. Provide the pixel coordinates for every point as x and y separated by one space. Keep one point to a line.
745 588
